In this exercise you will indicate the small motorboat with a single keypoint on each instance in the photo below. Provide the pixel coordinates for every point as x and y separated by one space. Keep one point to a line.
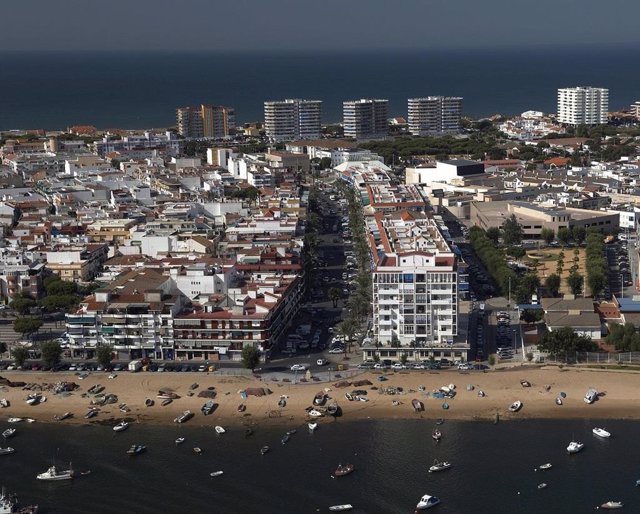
149 402
343 470
184 417
427 501
291 432
481 394
285 438
348 396
120 427
320 398
601 432
91 414
515 406
418 406
341 508
439 421
219 429
439 466
610 505
265 449
312 426
216 473
136 449
166 402
282 402
525 383
436 435
15 420
542 485
6 451
548 465
180 440
242 407
9 432
315 413
197 450
558 401
575 447
85 472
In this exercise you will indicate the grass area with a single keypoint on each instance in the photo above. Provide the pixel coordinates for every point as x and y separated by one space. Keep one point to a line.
548 264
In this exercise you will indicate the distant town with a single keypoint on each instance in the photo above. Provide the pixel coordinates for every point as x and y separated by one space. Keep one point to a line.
423 240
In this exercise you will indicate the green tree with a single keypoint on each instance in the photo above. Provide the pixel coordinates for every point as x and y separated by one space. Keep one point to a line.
516 252
3 348
565 341
22 305
51 352
532 315
250 357
20 354
494 233
547 235
334 295
26 325
62 302
512 232
59 287
403 358
104 355
575 282
325 163
553 283
596 280
579 234
564 236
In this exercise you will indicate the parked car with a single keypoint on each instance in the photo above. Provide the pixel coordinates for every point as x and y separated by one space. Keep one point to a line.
298 367
322 362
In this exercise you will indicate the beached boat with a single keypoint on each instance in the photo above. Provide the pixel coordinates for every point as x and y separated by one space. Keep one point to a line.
219 429
481 394
418 406
184 417
601 432
53 473
282 402
548 465
343 470
62 416
341 508
542 485
285 438
15 420
193 386
525 383
149 402
216 473
136 449
197 450
590 396
265 449
242 407
179 440
6 451
91 413
315 413
320 398
610 505
436 435
558 401
427 501
575 447
9 432
515 406
164 395
4 403
166 402
208 407
9 505
348 396
312 426
120 427
439 466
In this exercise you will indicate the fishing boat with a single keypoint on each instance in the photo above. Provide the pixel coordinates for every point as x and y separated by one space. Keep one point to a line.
285 438
197 450
575 447
542 485
436 435
6 451
184 417
418 406
62 416
265 449
341 508
312 426
548 465
149 402
219 429
166 402
439 466
427 501
179 440
601 432
120 427
136 449
9 432
9 505
53 473
343 470
610 505
515 406
216 473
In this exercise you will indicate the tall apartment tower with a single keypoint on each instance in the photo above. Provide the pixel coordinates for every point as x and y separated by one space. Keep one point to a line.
365 118
583 105
290 119
205 121
434 115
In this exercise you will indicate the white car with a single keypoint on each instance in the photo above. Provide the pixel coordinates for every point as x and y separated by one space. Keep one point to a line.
398 365
336 350
298 367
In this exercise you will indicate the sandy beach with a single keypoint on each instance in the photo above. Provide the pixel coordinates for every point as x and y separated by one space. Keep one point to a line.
619 400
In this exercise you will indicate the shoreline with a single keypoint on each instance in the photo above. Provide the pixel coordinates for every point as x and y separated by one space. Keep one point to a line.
619 398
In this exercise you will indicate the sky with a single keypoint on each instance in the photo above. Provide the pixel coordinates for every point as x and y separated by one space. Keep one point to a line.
260 25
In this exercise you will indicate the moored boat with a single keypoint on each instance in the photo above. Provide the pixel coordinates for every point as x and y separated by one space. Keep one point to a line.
120 427
542 485
344 470
312 426
179 440
6 451
197 450
9 505
610 505
575 447
285 438
548 465
136 449
53 473
427 501
216 473
9 432
219 429
341 508
601 432
439 466
265 449
436 435
15 420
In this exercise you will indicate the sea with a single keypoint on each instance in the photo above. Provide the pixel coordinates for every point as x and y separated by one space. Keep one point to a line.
493 468
52 90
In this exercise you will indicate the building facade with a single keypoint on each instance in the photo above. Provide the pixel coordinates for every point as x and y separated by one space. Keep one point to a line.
434 115
290 119
205 121
365 118
583 105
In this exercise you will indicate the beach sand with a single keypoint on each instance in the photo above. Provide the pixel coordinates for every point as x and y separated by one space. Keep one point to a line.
502 387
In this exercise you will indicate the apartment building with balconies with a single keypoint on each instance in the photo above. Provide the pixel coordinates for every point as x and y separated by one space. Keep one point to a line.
435 115
583 105
365 118
290 119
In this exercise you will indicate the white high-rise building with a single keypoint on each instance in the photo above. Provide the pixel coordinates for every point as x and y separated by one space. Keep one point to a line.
583 105
365 119
290 119
434 115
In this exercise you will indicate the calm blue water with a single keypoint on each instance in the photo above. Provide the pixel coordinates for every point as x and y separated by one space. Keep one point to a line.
55 90
491 464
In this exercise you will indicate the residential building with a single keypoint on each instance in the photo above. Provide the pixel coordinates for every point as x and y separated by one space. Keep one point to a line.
365 118
583 105
77 263
577 313
140 145
17 279
205 121
286 120
635 110
435 115
450 172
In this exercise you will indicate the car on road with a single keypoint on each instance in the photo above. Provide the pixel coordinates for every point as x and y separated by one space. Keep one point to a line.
298 367
322 362
336 350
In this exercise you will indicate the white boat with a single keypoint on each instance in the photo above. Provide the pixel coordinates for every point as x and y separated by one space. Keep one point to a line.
601 432
610 505
15 420
53 473
123 425
590 396
341 508
548 465
197 450
9 432
30 420
4 403
6 451
575 447
180 440
9 505
184 417
219 429
315 413
427 501
439 466
515 406
216 473
542 485
312 426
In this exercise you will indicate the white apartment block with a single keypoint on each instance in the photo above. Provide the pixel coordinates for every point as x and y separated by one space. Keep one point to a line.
415 300
365 118
583 105
290 119
434 115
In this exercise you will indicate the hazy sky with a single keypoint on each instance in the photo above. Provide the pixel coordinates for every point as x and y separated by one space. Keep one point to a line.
313 24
